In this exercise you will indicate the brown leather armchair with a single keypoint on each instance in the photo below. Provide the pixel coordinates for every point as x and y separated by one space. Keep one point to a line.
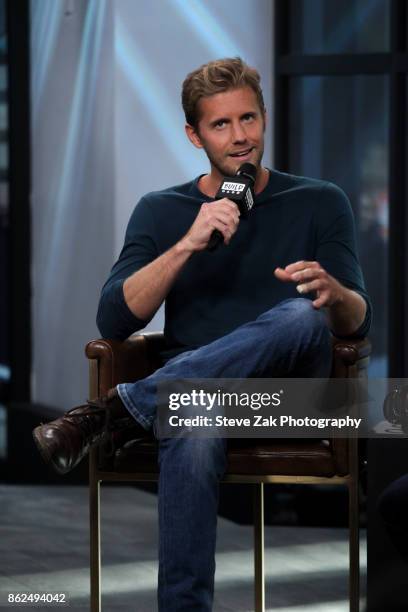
258 462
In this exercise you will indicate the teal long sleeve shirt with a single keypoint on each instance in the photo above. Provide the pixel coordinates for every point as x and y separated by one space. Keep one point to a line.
294 218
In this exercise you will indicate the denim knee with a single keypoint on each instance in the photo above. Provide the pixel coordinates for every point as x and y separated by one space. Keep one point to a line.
310 317
301 312
197 457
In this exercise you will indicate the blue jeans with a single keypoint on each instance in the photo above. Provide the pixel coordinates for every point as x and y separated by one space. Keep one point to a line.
291 339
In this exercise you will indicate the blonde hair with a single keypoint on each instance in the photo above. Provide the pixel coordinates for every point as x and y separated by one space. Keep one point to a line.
216 77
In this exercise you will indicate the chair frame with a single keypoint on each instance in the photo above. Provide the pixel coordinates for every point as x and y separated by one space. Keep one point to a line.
354 356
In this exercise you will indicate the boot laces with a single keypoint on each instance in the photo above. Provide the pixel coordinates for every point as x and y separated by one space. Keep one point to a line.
89 425
92 421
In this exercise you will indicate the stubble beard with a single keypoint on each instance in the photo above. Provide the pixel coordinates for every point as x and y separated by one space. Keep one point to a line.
232 168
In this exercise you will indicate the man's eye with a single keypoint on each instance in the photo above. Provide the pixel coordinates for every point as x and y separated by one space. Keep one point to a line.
220 124
248 117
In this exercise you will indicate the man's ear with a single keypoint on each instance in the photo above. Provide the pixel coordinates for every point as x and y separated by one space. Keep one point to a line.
193 136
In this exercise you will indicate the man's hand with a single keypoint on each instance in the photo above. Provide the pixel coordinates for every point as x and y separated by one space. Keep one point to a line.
146 289
346 308
222 215
310 276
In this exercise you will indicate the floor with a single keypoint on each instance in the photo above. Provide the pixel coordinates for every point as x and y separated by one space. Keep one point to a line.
44 548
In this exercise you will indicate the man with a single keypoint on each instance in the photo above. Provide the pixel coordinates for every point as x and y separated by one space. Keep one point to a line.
236 312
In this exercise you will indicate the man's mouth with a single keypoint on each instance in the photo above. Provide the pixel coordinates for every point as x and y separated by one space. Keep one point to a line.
243 153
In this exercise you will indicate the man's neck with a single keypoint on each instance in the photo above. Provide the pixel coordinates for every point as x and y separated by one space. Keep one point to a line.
210 183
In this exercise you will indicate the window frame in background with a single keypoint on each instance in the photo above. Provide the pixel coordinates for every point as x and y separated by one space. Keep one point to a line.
394 64
18 291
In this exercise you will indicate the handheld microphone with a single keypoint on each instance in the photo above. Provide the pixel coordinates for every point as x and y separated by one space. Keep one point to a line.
239 189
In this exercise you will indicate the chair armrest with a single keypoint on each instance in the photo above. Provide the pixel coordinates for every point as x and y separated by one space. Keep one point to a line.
113 362
350 357
350 360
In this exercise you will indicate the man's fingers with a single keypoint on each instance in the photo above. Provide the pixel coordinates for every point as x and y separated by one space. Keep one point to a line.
321 301
307 273
226 202
224 229
282 275
225 205
226 218
301 265
223 212
309 276
308 287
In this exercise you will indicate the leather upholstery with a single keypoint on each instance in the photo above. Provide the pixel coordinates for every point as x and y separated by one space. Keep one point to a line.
289 457
138 356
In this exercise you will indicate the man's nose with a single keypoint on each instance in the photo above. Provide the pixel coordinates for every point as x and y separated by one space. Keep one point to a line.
238 132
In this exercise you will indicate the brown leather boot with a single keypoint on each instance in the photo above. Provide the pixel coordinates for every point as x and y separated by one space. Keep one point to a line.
63 443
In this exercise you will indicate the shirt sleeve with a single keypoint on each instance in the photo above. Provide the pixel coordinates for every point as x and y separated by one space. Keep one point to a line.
336 248
114 319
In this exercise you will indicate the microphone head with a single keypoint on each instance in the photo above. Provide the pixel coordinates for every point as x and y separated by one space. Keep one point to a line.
248 170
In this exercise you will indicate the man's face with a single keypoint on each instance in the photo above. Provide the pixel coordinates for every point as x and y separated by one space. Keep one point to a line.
230 130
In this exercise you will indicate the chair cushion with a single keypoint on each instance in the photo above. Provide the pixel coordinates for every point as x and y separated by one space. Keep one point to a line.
281 457
274 457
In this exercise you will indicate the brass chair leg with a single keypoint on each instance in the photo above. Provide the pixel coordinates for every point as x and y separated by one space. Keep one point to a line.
95 542
259 547
354 546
